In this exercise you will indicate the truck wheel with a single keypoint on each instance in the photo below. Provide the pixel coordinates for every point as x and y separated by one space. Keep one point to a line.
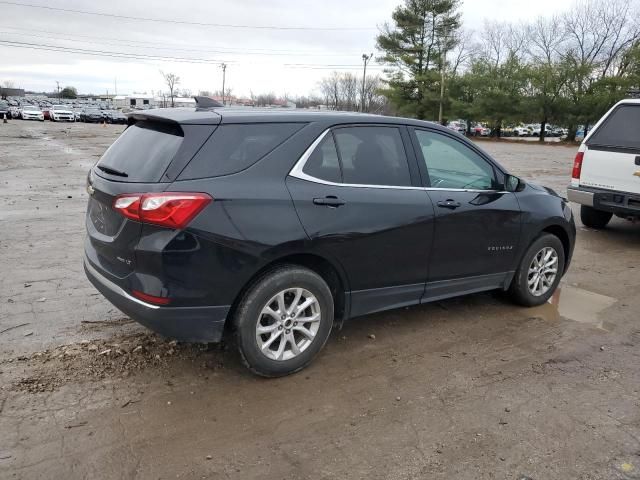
283 321
593 218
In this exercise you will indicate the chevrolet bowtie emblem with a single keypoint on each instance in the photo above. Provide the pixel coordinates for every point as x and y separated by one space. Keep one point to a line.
637 174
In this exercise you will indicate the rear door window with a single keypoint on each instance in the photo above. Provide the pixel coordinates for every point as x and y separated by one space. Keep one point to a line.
621 129
235 147
323 162
142 153
372 156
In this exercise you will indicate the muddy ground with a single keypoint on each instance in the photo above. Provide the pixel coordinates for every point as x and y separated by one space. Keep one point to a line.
470 388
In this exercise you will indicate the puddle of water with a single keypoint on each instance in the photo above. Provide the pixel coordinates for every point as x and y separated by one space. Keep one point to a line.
575 304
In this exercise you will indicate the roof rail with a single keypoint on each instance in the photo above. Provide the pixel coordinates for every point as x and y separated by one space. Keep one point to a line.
206 103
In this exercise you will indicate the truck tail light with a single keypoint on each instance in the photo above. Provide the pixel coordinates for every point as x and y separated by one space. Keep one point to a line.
167 209
577 166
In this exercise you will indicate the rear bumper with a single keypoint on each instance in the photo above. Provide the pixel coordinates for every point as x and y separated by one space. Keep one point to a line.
186 324
620 203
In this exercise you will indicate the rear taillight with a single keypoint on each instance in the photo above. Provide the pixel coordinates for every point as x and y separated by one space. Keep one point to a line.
577 166
167 209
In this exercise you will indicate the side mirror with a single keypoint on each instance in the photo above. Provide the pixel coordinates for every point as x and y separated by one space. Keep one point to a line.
513 183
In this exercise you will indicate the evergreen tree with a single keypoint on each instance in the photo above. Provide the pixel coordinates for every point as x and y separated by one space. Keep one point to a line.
415 48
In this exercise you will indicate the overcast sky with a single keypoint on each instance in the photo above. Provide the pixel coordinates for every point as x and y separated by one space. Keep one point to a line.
289 59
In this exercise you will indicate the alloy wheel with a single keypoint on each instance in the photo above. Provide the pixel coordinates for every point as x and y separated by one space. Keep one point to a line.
288 324
542 271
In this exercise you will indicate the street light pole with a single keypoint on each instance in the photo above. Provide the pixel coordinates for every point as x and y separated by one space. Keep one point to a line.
365 59
224 74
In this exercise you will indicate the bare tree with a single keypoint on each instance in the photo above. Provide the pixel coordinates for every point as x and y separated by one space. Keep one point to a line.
348 87
265 99
494 39
374 101
172 80
464 50
330 88
500 41
546 39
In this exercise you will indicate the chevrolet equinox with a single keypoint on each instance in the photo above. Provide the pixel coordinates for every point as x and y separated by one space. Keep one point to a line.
276 225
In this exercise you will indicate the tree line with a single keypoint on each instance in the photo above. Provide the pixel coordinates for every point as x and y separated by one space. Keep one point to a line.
566 69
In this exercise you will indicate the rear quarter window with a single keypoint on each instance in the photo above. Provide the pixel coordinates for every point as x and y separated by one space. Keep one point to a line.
620 129
235 147
143 152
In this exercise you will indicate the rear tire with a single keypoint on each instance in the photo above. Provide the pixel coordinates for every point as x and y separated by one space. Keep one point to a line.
593 218
535 264
289 343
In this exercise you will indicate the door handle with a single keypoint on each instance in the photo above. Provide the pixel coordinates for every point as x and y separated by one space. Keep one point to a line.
449 203
329 201
638 160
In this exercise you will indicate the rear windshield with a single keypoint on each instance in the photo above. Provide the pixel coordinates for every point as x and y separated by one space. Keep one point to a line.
142 153
232 148
621 129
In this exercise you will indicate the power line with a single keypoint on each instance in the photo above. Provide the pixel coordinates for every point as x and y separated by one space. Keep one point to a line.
132 56
184 22
155 46
103 53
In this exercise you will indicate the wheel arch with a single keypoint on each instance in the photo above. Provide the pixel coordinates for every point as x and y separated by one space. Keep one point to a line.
326 269
563 236
556 230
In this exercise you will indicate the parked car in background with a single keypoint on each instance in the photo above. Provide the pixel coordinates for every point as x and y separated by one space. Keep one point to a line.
61 113
4 110
276 225
114 116
480 131
459 127
14 111
77 114
46 112
31 112
92 115
549 130
606 171
521 131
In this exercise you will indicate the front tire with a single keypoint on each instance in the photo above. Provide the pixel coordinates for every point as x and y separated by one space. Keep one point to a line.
540 271
283 321
593 218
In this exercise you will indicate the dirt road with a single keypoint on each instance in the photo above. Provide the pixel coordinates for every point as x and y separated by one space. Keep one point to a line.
471 388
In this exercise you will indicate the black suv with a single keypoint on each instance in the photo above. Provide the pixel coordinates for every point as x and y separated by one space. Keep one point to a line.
280 224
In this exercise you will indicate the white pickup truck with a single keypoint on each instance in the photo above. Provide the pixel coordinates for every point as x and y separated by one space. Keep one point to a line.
606 171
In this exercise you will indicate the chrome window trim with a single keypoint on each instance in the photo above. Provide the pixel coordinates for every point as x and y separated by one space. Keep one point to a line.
297 172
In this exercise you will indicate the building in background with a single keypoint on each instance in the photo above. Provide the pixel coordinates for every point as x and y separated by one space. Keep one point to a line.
11 92
135 100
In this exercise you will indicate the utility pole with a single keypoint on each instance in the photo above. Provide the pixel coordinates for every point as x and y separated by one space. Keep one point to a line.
443 60
58 87
224 74
365 59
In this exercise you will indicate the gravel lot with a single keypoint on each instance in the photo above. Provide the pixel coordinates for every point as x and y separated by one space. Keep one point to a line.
470 388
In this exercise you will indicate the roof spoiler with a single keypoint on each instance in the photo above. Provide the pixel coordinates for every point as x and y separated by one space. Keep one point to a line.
205 103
